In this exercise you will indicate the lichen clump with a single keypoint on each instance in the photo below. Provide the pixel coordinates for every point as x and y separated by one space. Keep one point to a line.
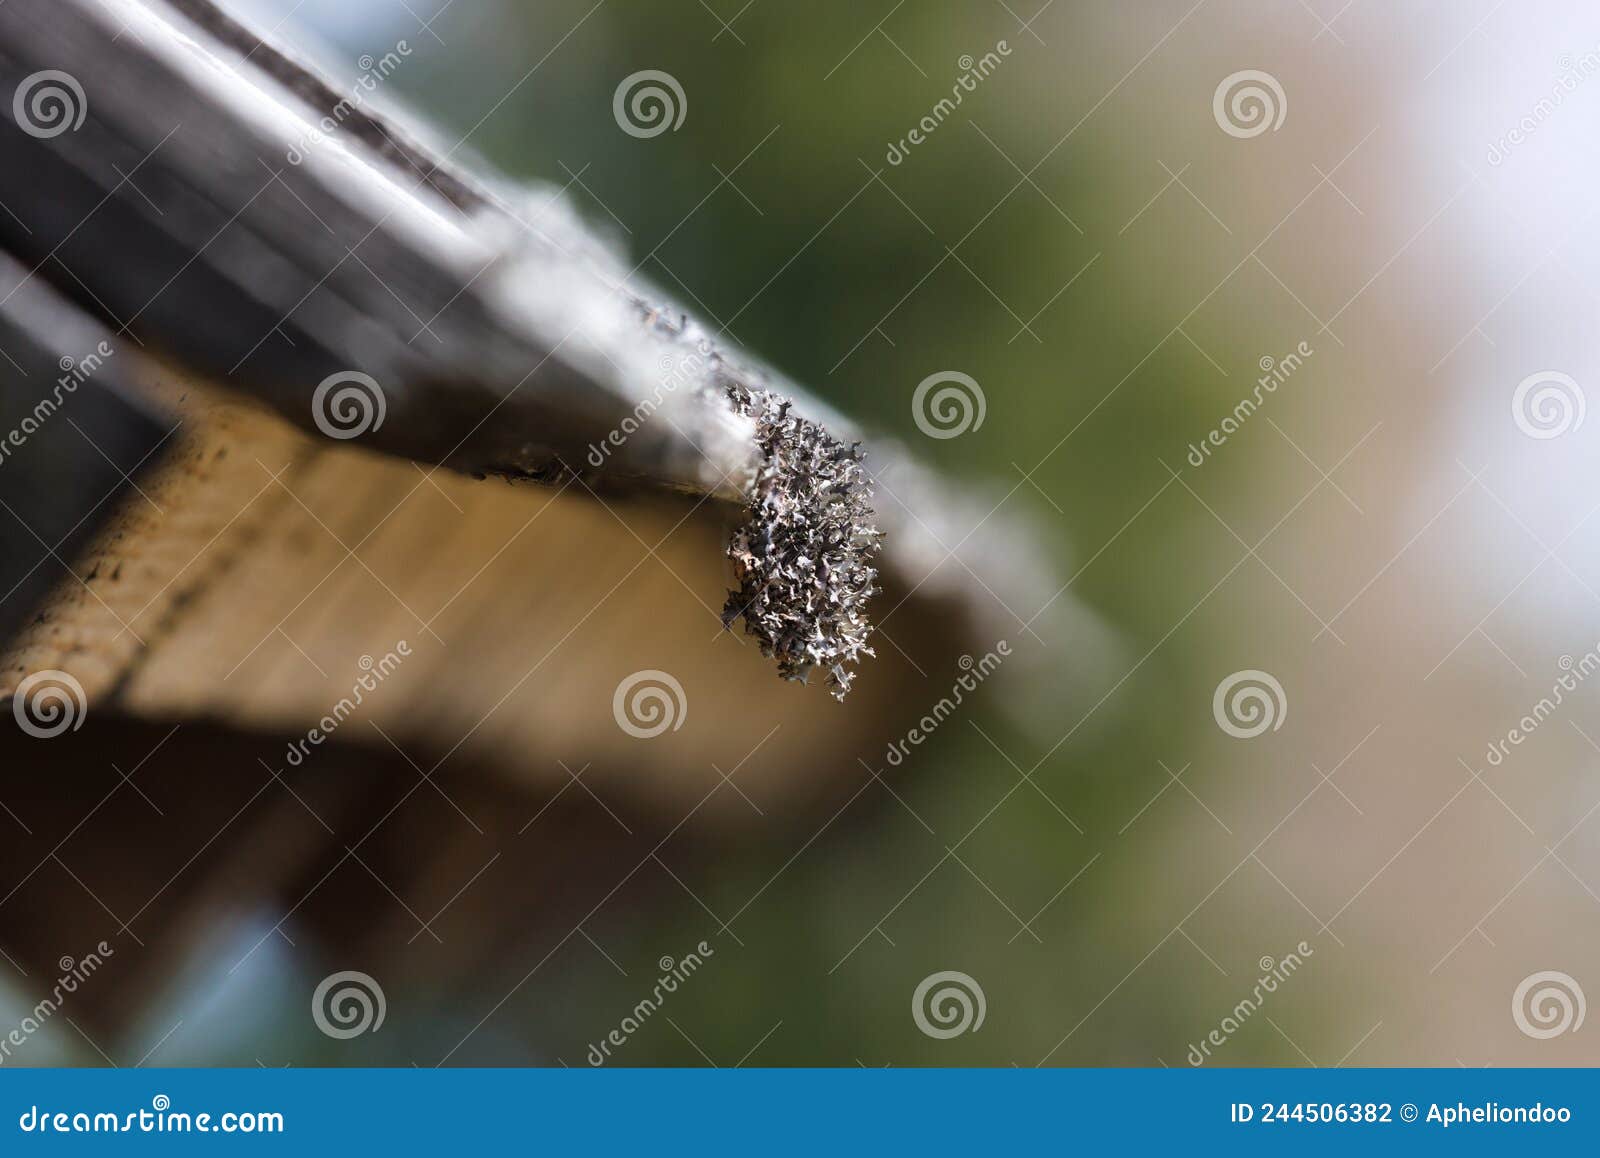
803 557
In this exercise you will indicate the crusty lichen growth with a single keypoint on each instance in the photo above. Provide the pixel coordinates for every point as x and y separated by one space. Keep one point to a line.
804 556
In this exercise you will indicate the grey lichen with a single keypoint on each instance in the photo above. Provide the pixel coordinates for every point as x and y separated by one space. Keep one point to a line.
804 556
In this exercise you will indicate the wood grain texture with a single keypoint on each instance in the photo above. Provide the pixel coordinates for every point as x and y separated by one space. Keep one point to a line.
257 569
505 335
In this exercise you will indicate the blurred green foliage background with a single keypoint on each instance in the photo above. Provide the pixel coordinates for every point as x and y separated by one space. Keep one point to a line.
1038 241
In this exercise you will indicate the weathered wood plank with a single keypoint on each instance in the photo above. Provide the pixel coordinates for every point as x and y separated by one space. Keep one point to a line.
494 332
